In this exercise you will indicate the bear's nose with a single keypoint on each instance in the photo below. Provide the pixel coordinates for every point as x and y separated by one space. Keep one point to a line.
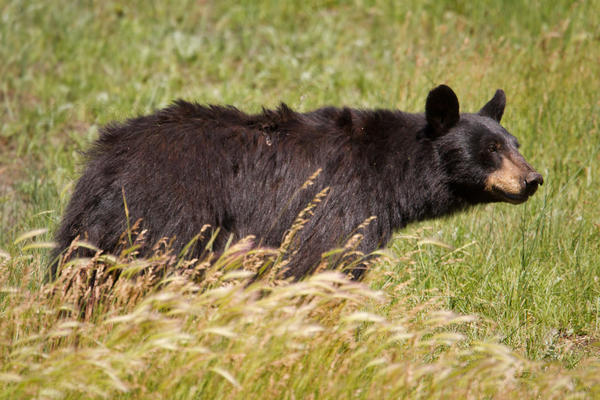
532 180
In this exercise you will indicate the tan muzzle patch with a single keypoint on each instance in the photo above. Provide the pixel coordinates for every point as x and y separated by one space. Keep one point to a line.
508 179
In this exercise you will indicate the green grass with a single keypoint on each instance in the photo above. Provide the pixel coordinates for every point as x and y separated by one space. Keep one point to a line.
530 273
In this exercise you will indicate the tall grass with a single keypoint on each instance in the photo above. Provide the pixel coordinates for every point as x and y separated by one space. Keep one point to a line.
228 335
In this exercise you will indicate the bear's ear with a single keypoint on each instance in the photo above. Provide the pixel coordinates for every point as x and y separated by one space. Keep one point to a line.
495 107
441 110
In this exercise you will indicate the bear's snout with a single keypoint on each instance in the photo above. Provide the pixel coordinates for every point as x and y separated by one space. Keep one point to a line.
515 180
532 181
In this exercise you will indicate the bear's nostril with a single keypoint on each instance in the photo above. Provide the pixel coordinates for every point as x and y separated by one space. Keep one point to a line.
532 180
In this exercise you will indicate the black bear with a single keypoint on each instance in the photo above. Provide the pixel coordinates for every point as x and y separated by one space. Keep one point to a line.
189 165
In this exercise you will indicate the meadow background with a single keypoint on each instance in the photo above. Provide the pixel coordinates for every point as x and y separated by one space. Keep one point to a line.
499 302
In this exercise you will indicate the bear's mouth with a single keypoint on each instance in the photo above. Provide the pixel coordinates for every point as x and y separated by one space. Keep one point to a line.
514 198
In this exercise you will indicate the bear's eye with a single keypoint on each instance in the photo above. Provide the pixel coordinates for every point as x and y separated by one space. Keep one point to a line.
494 147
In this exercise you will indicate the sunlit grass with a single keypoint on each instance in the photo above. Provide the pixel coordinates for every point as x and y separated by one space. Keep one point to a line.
227 335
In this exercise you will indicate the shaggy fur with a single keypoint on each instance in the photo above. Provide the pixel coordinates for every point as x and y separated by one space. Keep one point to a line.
189 165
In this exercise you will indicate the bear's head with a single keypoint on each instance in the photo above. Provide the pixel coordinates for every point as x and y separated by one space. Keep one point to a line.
480 158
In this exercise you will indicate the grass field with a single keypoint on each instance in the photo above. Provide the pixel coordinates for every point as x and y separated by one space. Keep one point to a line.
499 302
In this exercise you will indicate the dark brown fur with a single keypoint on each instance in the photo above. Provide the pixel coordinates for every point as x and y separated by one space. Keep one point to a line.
189 165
